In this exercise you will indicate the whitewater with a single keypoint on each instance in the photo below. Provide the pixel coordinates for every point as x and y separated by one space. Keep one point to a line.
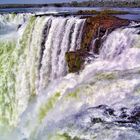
41 100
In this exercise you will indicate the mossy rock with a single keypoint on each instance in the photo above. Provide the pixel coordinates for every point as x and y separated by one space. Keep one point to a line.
75 60
95 27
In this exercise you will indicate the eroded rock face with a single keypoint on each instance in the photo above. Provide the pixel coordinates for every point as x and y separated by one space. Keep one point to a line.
95 28
104 114
76 59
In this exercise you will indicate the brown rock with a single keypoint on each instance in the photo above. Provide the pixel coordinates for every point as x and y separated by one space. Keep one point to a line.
102 23
76 60
94 28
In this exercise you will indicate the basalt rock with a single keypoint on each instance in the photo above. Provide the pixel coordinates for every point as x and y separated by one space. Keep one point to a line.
76 60
95 29
98 26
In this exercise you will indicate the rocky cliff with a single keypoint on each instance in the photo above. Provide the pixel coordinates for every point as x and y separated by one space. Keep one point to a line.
94 33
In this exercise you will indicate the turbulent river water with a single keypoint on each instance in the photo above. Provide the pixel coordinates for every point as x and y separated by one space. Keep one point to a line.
40 100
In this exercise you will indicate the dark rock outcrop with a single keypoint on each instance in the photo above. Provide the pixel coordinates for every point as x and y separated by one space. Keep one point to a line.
104 114
76 59
95 28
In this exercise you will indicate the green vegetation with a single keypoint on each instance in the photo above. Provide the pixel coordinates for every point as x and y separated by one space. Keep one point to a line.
105 3
92 12
48 105
89 3
113 12
21 5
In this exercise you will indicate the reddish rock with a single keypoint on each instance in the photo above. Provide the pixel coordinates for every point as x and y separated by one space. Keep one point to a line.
94 28
102 22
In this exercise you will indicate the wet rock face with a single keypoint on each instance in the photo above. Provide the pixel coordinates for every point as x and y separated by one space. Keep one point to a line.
95 28
108 116
135 117
75 60
102 23
121 117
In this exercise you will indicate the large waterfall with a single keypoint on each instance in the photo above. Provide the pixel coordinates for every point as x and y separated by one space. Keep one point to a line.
40 100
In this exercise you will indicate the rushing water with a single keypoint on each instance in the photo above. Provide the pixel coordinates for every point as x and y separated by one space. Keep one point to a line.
39 100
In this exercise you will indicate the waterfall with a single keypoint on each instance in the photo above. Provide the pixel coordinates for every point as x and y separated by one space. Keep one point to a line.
61 38
38 58
124 38
102 99
43 101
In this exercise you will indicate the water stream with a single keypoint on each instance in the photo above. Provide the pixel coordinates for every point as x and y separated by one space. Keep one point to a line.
39 99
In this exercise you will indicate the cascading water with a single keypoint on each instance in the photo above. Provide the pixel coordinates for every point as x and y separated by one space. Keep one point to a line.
61 38
32 55
44 102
